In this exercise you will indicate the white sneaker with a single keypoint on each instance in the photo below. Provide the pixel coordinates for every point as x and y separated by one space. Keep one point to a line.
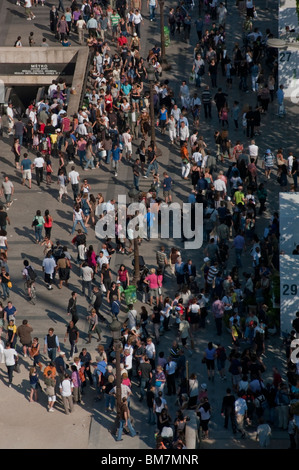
28 19
71 161
33 17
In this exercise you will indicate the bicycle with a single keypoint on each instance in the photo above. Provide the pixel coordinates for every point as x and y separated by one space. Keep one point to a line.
32 299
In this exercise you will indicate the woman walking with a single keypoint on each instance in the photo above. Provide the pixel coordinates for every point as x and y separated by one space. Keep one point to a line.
38 223
48 224
78 218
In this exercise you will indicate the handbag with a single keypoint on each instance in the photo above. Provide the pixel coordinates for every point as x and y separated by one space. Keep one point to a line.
9 284
34 223
17 367
203 361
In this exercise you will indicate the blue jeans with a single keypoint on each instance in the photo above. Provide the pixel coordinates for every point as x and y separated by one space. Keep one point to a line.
152 166
86 284
121 426
136 182
152 10
81 223
82 156
5 290
143 384
108 156
151 416
109 401
38 233
89 162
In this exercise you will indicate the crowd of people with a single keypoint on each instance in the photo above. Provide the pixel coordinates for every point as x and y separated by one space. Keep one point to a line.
225 178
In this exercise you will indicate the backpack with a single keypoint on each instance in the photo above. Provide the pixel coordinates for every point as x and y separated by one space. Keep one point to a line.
87 10
31 273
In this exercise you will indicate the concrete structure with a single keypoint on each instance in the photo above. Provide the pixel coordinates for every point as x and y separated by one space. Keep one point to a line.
38 66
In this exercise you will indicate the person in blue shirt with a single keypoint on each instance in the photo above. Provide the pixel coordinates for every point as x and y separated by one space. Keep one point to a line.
115 306
149 218
116 157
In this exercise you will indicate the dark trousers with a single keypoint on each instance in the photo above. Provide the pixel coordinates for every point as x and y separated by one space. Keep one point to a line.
207 109
10 370
75 188
39 172
229 413
170 379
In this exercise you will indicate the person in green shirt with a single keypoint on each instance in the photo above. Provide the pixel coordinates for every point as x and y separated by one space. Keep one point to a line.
115 19
239 196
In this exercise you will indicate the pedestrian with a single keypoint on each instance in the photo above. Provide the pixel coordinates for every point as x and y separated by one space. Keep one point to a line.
50 383
263 433
66 389
72 333
94 326
51 344
28 11
33 381
26 167
209 359
78 218
24 333
7 190
125 420
228 410
204 414
241 414
39 165
48 266
10 358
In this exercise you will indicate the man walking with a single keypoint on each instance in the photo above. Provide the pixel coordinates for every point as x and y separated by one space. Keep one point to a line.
7 190
241 412
74 179
26 166
66 389
228 410
51 344
10 356
39 164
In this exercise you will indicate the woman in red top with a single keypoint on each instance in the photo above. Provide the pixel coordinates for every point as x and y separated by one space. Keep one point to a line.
123 276
48 224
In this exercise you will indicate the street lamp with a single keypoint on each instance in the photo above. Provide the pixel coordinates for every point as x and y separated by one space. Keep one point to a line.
164 63
115 328
151 78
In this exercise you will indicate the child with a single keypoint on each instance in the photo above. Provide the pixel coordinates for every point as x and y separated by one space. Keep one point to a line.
33 378
49 171
35 144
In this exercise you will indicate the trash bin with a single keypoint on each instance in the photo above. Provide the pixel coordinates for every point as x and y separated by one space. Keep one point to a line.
130 295
166 36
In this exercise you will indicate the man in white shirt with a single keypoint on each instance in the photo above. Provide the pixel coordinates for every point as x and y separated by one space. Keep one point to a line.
241 411
66 389
102 259
127 141
33 118
220 186
39 164
253 150
87 277
10 356
150 352
176 112
10 117
74 179
184 133
197 157
184 94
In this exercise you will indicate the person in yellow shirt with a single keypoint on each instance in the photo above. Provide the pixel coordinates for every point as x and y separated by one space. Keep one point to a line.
239 196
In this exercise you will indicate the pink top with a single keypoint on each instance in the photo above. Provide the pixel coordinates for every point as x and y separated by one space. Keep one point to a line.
152 279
